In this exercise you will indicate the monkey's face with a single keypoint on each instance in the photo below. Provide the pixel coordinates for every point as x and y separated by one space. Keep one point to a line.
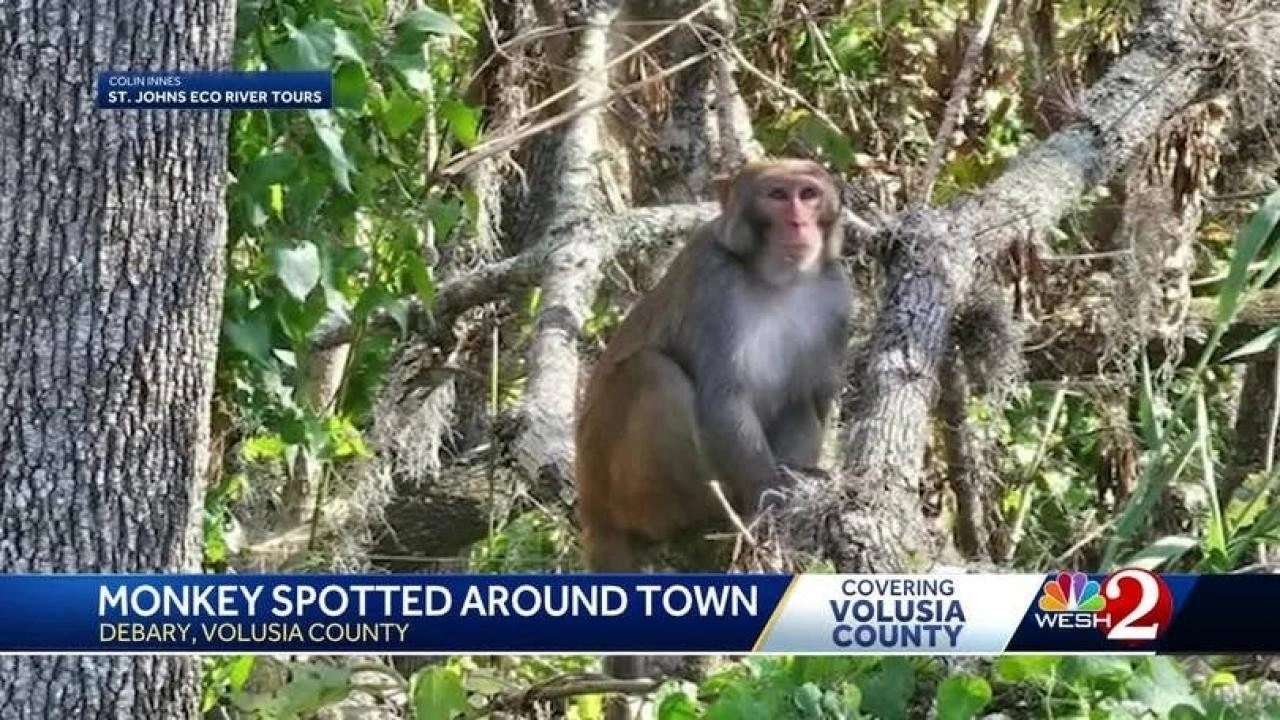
792 209
783 216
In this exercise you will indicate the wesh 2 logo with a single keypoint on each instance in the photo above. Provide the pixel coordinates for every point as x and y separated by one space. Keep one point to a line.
1129 605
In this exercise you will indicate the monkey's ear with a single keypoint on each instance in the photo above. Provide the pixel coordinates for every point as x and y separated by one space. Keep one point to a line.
736 233
833 244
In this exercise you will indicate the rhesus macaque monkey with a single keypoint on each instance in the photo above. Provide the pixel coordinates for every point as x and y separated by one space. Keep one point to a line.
724 371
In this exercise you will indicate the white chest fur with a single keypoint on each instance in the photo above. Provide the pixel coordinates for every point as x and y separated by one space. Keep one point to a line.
779 329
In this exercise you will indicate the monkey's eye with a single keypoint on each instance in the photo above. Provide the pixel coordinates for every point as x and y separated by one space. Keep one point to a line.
809 193
777 193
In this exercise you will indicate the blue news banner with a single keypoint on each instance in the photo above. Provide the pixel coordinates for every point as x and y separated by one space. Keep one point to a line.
1129 611
215 90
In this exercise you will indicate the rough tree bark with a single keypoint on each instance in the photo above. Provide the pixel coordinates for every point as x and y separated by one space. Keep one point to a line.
931 258
111 268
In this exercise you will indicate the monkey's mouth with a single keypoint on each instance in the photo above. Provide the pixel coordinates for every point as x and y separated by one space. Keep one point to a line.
796 244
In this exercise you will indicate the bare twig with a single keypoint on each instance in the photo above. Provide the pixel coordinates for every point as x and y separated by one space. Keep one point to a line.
485 150
682 21
959 89
728 510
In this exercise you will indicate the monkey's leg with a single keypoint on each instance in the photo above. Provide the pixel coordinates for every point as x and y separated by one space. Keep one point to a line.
659 480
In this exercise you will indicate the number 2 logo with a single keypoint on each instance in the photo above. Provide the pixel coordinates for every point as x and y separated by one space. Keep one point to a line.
1139 605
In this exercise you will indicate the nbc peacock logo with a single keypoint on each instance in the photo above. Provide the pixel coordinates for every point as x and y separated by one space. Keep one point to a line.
1072 592
1072 601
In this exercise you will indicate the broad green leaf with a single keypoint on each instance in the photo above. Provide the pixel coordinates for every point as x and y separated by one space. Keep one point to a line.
1027 668
808 700
263 447
1095 668
887 690
350 87
677 706
299 269
271 168
438 694
423 23
311 688
851 697
251 336
413 67
344 47
331 137
402 113
238 671
962 696
1162 551
464 121
308 48
445 214
1162 685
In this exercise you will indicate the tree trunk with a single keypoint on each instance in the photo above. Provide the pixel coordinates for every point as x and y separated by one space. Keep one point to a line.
111 273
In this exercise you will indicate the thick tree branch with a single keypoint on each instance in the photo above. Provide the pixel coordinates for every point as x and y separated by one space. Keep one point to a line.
931 262
573 236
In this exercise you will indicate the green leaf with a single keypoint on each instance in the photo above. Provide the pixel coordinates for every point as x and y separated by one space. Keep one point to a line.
887 690
1165 550
402 113
238 671
423 23
808 700
1027 668
677 706
962 696
310 48
268 169
1098 668
464 121
344 47
413 67
1250 241
445 215
851 697
1162 685
311 688
1263 341
421 277
350 87
251 336
263 447
299 269
438 694
330 135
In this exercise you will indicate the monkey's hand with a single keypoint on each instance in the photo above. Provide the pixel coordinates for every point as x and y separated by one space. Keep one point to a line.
737 449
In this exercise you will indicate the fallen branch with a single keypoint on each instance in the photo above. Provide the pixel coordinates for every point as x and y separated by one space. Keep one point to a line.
564 687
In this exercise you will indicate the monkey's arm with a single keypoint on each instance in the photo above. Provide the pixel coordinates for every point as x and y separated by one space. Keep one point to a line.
734 443
733 439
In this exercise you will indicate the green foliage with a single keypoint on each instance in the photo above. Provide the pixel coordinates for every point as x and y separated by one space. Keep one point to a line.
529 542
329 209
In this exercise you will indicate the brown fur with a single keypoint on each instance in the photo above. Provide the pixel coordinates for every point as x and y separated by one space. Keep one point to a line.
715 374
